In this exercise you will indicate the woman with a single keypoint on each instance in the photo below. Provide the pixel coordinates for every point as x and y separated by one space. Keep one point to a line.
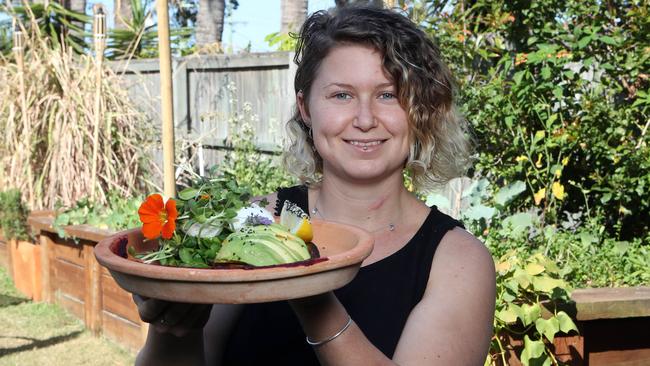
373 98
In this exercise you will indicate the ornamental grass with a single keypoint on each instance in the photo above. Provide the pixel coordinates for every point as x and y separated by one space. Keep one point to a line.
47 119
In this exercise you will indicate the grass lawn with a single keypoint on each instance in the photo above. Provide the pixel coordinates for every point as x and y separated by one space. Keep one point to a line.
45 334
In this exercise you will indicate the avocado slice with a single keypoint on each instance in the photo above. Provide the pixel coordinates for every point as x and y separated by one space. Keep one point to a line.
263 245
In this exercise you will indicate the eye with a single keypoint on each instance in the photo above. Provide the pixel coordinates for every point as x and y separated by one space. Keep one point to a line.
341 96
387 95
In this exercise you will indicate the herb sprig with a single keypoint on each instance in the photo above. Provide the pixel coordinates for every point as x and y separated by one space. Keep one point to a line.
205 214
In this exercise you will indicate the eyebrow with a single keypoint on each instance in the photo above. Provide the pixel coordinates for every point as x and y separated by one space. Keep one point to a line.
344 85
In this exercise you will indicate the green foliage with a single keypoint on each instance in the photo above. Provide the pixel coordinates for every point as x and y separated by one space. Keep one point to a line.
524 288
13 215
244 163
52 21
141 41
282 41
120 214
557 92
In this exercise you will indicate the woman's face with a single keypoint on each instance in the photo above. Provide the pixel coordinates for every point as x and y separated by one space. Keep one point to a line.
359 128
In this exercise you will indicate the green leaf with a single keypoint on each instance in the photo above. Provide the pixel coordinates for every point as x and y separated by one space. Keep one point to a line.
546 284
519 222
507 315
188 193
548 327
477 212
566 323
523 278
531 313
534 269
518 76
584 41
509 192
609 40
532 350
186 255
546 72
588 238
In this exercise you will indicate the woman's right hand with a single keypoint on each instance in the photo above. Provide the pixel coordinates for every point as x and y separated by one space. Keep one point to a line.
178 319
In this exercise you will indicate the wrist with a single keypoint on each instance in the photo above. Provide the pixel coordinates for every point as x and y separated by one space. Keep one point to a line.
321 316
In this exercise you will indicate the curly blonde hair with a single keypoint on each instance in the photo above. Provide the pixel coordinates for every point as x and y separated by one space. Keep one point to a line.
440 140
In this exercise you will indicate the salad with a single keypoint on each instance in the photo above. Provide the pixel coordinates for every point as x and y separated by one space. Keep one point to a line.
214 224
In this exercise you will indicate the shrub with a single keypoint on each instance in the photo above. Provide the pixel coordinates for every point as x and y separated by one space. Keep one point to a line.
557 92
13 215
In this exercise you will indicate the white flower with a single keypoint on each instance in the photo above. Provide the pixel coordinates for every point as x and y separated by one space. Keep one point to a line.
250 216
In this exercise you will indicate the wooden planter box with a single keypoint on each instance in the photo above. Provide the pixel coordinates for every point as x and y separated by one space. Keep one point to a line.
614 326
25 258
72 278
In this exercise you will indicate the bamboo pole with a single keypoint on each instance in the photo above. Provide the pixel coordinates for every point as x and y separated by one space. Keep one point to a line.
166 93
99 34
19 51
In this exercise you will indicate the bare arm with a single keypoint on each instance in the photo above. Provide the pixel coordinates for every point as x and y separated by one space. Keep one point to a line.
452 324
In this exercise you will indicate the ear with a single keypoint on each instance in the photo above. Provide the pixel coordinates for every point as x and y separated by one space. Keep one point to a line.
302 107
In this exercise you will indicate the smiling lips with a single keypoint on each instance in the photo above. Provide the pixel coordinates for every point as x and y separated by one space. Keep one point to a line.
365 145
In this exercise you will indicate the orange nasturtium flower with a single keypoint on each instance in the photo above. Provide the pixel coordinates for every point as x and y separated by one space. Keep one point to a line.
157 217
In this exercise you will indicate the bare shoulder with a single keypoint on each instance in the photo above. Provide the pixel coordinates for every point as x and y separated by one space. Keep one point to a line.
461 251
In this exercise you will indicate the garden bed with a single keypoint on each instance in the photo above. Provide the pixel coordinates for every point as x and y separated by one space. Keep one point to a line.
72 277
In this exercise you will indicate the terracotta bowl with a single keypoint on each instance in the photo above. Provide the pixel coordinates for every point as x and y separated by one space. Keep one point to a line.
344 247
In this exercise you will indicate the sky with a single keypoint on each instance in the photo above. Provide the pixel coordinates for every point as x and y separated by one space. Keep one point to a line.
255 19
251 22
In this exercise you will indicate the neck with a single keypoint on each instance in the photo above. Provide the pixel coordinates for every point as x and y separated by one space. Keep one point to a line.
373 207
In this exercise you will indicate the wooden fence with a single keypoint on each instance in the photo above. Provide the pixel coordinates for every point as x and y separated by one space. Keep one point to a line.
210 90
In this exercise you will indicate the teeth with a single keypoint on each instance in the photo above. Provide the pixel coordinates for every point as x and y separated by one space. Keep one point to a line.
364 144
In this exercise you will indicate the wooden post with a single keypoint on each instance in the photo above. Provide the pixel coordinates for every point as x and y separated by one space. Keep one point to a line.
46 247
93 300
166 98
99 34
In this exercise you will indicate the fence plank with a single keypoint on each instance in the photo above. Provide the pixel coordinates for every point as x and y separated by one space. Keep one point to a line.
202 96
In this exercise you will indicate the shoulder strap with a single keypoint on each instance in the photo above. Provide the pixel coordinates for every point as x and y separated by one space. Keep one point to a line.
295 194
436 226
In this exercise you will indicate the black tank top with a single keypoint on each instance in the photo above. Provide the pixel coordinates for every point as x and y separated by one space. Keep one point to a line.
379 299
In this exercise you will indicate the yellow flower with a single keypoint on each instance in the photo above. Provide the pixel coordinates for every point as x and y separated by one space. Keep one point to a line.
539 196
558 190
521 158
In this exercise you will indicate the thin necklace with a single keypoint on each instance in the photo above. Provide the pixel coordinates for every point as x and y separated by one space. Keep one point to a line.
316 211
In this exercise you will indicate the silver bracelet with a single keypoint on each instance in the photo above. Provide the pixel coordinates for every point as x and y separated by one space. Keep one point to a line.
320 343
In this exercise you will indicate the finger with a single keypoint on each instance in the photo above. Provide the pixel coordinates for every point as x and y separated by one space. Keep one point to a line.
176 313
151 309
195 319
138 299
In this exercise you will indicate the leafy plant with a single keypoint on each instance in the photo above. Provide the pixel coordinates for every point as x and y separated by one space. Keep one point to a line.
524 287
557 94
140 40
13 215
47 117
120 214
53 21
244 163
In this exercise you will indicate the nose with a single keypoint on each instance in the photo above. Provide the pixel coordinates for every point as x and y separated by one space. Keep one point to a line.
365 118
